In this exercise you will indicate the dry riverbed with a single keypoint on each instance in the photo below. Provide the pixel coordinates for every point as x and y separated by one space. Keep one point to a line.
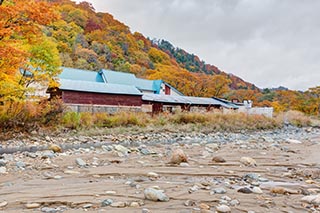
269 171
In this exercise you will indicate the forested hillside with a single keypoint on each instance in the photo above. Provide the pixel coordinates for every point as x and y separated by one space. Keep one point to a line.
40 36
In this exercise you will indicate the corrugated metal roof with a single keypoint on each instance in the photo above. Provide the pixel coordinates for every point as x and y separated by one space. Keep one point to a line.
80 75
96 87
184 100
128 79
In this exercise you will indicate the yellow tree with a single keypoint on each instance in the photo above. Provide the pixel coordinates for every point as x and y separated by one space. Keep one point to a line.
21 36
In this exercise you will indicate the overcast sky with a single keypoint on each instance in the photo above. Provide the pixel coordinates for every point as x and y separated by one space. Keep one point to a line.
266 42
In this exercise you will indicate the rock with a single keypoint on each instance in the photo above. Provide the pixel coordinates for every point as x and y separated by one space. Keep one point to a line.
251 176
218 159
145 151
293 141
106 202
178 156
81 162
87 206
153 175
213 146
32 205
223 209
3 162
311 199
155 195
234 202
122 149
204 206
144 210
245 190
184 164
119 204
247 161
283 191
71 172
219 191
20 165
111 192
189 203
48 154
3 170
257 190
55 148
49 210
3 204
134 204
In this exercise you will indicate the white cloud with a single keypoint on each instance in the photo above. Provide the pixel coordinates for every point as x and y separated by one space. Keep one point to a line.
269 43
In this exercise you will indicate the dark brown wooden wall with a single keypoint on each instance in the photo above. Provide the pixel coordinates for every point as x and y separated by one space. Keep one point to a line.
74 97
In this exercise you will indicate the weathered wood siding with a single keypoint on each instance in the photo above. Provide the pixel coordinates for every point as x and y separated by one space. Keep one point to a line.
75 97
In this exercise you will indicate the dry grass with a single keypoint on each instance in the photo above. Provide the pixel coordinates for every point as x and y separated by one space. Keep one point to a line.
295 118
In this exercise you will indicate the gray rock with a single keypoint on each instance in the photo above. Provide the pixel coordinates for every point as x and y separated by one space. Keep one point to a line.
312 199
48 154
234 202
155 195
49 210
81 162
121 149
219 191
245 190
3 204
3 162
145 211
257 190
223 209
106 202
145 151
251 176
3 170
20 165
119 204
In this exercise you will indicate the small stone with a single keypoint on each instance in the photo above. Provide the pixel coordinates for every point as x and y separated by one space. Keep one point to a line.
71 172
153 175
145 151
106 202
80 162
3 162
190 203
49 210
283 191
234 202
227 198
311 199
184 164
32 205
122 149
3 204
87 206
119 204
213 146
204 206
293 141
48 154
247 161
144 210
178 156
55 148
223 209
134 204
111 192
3 170
257 190
218 159
219 191
20 165
155 195
245 190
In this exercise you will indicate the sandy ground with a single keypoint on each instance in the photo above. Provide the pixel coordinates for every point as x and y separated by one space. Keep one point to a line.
125 178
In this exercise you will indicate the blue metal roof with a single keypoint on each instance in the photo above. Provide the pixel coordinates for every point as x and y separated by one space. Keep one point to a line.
80 75
172 99
129 79
98 87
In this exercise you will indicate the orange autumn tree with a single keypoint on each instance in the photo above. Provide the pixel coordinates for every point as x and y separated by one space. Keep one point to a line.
23 44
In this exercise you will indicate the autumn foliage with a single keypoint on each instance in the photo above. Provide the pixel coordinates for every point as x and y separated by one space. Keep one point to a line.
37 37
